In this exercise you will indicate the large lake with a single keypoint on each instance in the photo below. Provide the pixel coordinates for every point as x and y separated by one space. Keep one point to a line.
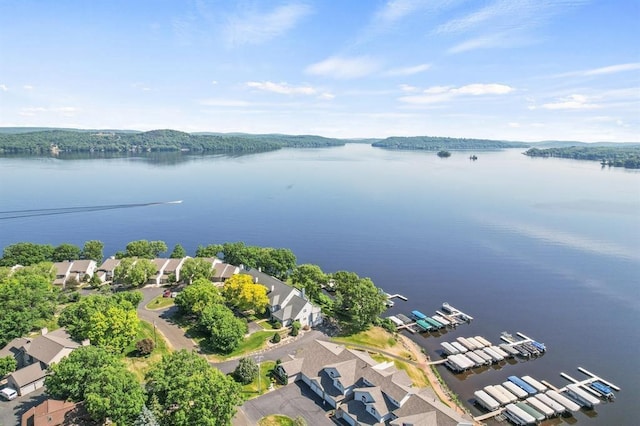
548 247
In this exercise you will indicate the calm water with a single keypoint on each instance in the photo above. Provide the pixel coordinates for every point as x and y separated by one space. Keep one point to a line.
547 247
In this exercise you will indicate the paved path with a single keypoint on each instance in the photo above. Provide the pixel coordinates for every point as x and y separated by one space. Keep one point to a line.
173 334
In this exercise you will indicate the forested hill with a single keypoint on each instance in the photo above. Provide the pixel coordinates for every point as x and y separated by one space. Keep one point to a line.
434 143
54 141
620 155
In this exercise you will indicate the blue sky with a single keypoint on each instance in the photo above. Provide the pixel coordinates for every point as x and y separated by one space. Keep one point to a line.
501 69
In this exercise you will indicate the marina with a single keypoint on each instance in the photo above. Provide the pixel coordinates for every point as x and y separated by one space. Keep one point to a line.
524 345
418 322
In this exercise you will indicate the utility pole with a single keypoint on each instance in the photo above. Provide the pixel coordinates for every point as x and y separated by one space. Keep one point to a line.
258 360
155 338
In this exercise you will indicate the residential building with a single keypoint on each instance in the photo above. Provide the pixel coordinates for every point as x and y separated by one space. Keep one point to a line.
105 271
52 412
286 303
364 391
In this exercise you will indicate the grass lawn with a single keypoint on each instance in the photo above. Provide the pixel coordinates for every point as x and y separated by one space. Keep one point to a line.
375 337
277 420
160 302
251 390
252 343
140 365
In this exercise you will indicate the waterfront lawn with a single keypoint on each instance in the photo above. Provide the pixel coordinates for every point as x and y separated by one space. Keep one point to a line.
139 365
251 390
375 337
160 302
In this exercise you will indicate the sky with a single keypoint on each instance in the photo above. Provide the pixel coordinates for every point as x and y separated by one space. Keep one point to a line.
524 70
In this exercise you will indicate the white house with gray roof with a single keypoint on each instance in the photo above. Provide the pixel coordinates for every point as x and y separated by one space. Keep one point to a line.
286 303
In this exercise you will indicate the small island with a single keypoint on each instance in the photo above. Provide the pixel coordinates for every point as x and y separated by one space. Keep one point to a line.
444 154
613 155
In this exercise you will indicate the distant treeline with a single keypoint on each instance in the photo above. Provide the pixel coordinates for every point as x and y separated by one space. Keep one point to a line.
434 143
76 141
619 155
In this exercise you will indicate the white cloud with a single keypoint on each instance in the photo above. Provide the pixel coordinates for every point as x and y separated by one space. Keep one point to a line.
396 10
571 102
27 87
214 82
327 96
3 88
256 28
344 68
611 69
436 94
141 86
408 70
408 88
281 88
33 111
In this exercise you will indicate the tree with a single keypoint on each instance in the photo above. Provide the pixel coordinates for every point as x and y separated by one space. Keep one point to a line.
145 249
65 251
190 392
196 297
178 252
196 268
28 300
145 346
295 328
134 272
146 418
114 394
240 291
212 250
26 254
277 262
310 278
113 329
225 330
93 250
246 371
8 365
276 338
358 300
100 379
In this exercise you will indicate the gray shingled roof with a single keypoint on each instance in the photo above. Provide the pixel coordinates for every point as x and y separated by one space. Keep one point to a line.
45 348
29 374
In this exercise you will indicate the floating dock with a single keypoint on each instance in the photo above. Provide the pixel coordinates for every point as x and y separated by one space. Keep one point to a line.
555 406
486 401
524 345
562 400
534 383
523 385
594 385
515 389
518 416
541 406
531 411
454 312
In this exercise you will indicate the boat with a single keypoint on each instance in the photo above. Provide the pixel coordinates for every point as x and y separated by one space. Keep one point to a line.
449 348
540 406
522 384
518 416
515 389
485 400
581 396
602 389
533 382
554 405
418 315
531 411
563 400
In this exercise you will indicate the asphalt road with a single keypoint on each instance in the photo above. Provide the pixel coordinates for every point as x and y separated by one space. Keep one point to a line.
174 335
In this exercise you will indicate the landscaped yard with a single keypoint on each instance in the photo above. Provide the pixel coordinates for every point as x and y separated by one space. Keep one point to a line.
140 364
252 343
251 390
375 337
160 302
280 420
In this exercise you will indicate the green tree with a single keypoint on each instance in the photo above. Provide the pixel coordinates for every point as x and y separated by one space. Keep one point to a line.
276 338
133 296
246 371
26 254
65 251
100 379
196 297
277 262
28 300
114 394
145 249
178 252
134 271
93 250
310 278
295 328
113 329
225 330
195 268
145 346
190 392
358 301
8 365
241 292
212 250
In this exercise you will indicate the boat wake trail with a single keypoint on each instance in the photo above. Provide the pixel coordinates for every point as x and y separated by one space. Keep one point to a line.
17 214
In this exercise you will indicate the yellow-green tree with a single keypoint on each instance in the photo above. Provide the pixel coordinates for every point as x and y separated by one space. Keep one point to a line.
114 328
240 291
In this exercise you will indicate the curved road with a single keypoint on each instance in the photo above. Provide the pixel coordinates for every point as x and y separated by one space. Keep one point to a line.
173 334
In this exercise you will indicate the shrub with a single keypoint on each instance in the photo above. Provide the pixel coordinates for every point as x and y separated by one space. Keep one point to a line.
145 346
277 325
276 338
295 328
246 371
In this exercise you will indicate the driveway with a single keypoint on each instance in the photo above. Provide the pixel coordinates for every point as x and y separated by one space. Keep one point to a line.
174 335
11 411
292 400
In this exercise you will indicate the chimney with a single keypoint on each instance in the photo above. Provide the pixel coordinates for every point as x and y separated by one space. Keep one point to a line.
255 280
303 294
273 287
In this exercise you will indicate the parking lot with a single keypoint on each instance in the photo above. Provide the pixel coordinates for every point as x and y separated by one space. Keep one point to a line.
293 400
11 411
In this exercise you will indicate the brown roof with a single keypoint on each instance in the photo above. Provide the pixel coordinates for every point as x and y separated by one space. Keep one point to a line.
109 265
13 347
46 347
81 266
51 412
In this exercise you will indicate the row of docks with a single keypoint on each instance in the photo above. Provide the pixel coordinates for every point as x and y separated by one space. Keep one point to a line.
525 400
470 352
419 322
525 346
